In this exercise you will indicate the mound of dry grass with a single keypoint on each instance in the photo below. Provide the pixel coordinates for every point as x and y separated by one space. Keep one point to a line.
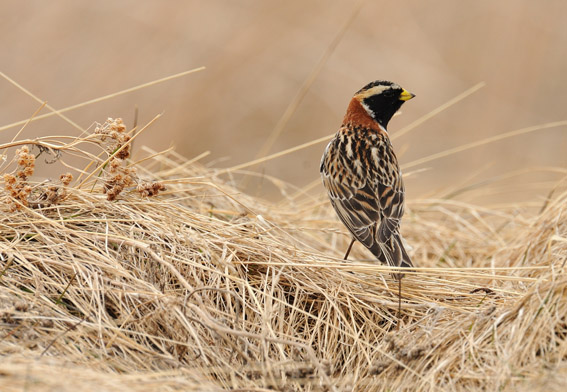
161 275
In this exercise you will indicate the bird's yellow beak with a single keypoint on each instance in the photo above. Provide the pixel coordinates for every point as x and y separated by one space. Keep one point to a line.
406 96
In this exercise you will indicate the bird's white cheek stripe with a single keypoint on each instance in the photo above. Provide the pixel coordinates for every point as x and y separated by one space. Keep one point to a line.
368 110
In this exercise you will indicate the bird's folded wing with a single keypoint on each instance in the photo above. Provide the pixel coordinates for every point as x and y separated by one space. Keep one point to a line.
357 208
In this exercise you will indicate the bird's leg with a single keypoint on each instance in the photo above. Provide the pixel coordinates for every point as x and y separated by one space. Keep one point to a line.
348 250
399 303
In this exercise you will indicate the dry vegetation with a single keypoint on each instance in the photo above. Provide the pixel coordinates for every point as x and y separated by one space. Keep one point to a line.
161 275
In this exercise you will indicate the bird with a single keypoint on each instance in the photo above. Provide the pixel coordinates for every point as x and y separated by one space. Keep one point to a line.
362 177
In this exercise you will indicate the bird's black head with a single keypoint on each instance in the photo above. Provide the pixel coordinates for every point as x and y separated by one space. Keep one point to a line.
382 99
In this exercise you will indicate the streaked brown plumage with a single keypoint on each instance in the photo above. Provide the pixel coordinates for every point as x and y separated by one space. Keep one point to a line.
361 174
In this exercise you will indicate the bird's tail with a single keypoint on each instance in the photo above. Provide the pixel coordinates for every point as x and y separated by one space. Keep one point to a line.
389 248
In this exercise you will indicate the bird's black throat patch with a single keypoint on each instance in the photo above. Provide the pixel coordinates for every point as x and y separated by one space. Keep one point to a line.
384 105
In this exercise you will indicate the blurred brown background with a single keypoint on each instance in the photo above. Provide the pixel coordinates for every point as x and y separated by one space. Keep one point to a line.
258 55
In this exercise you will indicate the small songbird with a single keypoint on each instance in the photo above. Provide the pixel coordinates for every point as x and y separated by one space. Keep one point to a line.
361 174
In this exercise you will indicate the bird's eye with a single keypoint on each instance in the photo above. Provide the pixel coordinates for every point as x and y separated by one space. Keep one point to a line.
388 93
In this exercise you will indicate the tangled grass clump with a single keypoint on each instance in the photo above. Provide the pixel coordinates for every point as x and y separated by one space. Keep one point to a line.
200 286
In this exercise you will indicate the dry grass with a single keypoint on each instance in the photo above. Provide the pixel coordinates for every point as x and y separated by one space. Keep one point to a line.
202 287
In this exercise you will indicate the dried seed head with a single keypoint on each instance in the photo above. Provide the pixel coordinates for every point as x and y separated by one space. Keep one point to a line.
9 179
66 178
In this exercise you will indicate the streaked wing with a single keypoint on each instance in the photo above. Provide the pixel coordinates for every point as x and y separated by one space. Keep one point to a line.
348 178
363 179
357 209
